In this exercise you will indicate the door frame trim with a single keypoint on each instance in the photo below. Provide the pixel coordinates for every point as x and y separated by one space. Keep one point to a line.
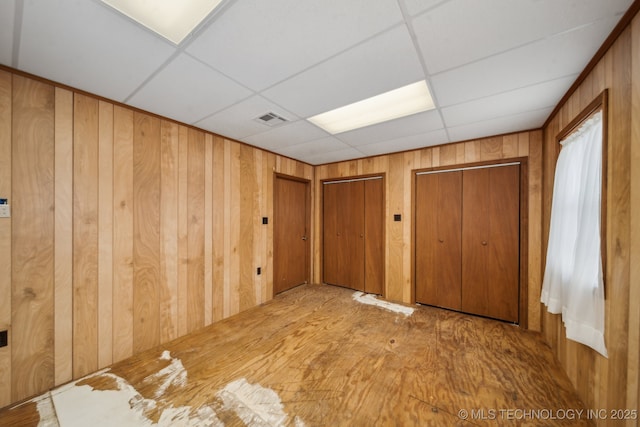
523 310
309 229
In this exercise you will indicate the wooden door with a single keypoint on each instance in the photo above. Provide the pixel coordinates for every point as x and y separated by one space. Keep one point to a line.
290 238
374 236
343 236
491 242
438 239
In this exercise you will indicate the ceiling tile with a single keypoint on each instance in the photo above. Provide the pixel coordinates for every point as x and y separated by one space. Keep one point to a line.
286 135
383 63
394 129
501 125
406 143
333 156
415 7
533 97
88 46
263 42
7 11
560 56
314 148
238 121
188 90
462 31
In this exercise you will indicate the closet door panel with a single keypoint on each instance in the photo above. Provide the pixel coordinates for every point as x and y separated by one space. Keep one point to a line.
373 236
439 239
490 248
504 231
332 236
353 259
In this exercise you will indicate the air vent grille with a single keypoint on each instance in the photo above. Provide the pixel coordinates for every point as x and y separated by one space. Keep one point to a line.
271 119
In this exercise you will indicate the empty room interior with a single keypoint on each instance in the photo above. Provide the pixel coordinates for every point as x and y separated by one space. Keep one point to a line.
319 213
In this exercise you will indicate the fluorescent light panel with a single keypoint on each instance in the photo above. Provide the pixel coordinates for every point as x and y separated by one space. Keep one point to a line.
401 102
172 19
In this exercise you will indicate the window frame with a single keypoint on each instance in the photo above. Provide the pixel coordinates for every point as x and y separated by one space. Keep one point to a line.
600 103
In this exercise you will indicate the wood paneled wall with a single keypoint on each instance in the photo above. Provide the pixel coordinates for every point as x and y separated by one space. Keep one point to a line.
398 168
608 383
127 231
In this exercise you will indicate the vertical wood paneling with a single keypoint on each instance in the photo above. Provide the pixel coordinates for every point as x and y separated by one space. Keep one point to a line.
183 229
395 230
155 231
5 235
618 208
247 212
32 234
606 383
534 269
169 138
218 228
195 231
633 383
234 228
105 234
146 226
122 233
63 340
208 229
85 235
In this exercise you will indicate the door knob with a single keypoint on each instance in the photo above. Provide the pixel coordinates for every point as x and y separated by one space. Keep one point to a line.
304 237
440 240
484 243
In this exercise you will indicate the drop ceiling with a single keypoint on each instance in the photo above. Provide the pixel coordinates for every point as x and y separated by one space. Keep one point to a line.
493 66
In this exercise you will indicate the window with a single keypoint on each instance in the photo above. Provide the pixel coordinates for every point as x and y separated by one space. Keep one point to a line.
573 281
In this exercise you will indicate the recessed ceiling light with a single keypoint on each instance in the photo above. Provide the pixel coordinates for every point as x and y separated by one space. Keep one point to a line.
172 19
401 102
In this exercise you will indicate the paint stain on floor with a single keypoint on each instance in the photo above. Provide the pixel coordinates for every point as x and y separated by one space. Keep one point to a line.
104 399
371 299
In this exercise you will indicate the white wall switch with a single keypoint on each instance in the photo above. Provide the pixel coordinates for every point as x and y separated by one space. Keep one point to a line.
5 211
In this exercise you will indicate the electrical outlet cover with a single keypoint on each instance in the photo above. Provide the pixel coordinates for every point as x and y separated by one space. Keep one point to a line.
5 211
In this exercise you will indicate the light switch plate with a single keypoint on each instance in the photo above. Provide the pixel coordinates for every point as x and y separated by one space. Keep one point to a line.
5 211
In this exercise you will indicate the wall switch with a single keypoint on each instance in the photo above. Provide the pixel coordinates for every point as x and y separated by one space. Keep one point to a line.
4 338
265 220
259 271
5 211
397 217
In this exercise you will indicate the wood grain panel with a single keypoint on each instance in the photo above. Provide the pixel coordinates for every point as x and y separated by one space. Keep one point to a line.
208 229
63 341
633 384
534 238
5 235
195 231
146 226
247 215
218 228
234 228
269 169
395 195
183 229
85 235
374 236
122 233
105 234
438 239
32 234
491 148
168 286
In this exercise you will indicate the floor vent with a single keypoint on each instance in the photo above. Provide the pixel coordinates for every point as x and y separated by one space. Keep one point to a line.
271 119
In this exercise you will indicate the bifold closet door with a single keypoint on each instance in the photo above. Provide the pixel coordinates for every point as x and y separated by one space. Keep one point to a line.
438 239
344 254
491 242
353 236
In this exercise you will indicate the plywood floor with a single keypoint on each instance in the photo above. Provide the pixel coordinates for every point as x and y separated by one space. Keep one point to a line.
314 356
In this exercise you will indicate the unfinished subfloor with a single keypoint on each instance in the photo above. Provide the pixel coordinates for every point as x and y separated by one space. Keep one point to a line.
325 356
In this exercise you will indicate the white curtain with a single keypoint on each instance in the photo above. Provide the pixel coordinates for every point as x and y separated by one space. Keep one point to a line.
573 283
